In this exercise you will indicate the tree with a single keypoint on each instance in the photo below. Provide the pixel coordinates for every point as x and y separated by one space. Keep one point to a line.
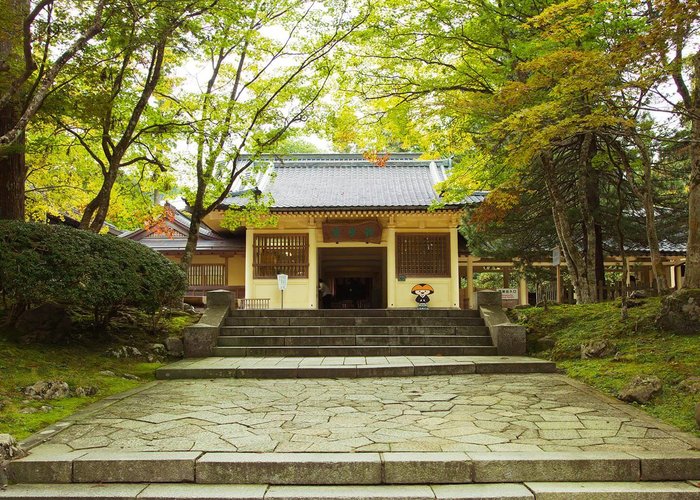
268 65
37 41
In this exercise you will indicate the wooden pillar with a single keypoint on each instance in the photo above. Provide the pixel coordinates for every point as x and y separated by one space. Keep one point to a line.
454 268
313 269
522 291
672 270
391 267
679 278
470 282
249 264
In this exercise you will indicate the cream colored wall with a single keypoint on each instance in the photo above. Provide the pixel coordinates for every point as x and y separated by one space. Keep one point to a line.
236 270
303 294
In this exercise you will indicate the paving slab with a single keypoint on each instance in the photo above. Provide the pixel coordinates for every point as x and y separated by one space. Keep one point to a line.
290 468
72 491
426 468
349 366
204 492
112 466
614 491
350 492
440 413
47 467
482 491
668 466
494 467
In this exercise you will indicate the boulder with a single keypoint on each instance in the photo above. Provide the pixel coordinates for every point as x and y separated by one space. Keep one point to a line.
156 353
49 324
545 343
680 312
188 308
175 347
690 385
108 373
9 449
641 389
82 392
47 389
129 376
123 352
596 349
639 294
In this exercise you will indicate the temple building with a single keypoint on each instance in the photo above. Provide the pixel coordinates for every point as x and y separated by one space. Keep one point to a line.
375 233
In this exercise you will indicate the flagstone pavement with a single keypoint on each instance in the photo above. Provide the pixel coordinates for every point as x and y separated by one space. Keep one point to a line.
525 412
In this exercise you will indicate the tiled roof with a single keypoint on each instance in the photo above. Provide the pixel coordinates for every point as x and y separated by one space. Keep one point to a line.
348 181
230 244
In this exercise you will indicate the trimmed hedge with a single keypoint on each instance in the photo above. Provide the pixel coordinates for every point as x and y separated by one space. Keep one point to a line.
48 263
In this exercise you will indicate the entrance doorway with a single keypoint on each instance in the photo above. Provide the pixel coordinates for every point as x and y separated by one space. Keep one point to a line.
356 276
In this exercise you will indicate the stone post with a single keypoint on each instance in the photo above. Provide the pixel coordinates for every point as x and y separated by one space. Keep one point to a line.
200 339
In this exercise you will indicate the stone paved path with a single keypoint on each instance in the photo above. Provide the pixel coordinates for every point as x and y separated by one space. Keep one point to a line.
529 412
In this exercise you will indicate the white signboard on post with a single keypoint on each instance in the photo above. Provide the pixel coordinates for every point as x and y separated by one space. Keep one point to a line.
556 256
282 281
509 293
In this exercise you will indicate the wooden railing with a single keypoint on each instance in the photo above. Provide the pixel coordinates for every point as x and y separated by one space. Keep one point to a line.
253 303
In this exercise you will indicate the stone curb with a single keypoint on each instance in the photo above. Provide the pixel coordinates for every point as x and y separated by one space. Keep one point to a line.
353 468
501 491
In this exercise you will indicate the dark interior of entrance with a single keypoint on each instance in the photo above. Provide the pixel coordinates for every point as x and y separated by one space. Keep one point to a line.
355 276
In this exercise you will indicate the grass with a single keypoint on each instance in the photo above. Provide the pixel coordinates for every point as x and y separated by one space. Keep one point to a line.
22 365
642 349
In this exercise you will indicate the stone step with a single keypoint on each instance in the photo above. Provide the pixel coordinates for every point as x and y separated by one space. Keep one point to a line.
363 468
353 321
502 491
341 367
354 340
338 313
330 350
278 331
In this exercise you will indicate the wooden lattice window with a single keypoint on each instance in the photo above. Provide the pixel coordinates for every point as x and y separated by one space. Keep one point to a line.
423 255
207 275
275 254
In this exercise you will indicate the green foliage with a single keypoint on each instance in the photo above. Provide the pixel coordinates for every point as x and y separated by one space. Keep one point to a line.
40 263
643 350
255 214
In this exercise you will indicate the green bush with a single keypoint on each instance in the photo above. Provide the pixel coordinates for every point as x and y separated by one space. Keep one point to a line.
43 263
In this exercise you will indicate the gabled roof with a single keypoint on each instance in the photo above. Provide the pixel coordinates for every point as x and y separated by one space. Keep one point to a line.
346 181
208 239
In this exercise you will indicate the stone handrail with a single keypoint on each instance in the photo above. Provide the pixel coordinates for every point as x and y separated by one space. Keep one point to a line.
508 337
200 338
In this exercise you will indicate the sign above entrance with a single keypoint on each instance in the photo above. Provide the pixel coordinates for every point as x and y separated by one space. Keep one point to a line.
368 231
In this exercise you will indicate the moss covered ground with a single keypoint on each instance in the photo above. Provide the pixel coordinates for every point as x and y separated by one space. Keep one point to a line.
79 364
641 349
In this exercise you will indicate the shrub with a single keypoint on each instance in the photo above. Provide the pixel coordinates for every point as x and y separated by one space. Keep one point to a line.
42 263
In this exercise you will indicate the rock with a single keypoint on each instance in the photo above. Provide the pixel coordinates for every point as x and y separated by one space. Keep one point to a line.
129 376
45 408
545 343
188 308
82 392
596 349
108 373
123 352
697 413
639 294
691 385
175 347
641 389
9 449
680 312
47 389
48 323
29 410
158 349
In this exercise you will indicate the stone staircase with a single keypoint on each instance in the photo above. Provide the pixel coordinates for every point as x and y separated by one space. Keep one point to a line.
363 332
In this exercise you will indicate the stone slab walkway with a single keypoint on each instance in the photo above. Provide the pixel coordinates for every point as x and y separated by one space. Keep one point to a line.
461 413
349 366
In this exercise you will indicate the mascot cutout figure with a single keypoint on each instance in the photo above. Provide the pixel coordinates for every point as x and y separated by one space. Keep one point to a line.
421 291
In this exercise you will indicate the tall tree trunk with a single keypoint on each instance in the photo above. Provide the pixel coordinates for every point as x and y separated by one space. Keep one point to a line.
692 265
574 259
95 212
13 172
196 217
583 182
